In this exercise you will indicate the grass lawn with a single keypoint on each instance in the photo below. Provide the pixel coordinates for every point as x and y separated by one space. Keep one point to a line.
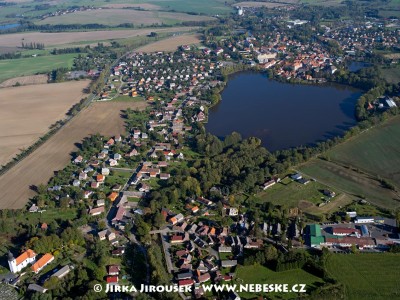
10 68
49 215
376 151
367 276
117 177
260 274
289 193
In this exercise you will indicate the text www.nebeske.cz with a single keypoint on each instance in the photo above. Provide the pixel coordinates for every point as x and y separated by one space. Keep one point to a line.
251 288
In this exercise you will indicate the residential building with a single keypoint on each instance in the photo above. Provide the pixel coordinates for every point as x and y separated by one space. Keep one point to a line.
42 262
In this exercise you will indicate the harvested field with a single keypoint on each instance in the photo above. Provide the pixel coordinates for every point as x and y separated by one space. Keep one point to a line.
259 4
171 44
25 80
104 118
27 112
119 16
146 6
61 38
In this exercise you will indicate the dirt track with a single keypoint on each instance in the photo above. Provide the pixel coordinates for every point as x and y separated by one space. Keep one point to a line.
37 168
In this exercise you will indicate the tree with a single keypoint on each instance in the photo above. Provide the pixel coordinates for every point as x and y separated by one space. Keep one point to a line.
270 253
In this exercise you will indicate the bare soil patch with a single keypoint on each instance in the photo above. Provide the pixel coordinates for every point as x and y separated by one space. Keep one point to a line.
171 44
104 118
304 205
60 38
27 112
25 80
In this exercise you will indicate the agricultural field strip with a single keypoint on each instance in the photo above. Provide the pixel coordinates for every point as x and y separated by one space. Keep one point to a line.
60 38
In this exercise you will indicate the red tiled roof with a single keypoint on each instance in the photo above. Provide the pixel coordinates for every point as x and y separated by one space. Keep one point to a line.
24 256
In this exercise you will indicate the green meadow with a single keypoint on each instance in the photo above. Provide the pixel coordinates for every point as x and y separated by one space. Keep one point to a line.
10 68
367 276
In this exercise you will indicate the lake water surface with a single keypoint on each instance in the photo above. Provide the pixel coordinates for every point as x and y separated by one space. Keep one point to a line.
8 26
282 115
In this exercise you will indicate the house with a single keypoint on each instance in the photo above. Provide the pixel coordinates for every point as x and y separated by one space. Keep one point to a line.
113 270
363 220
96 211
224 249
186 282
303 181
121 212
204 277
176 239
78 159
200 117
176 219
82 176
351 214
113 162
329 193
195 209
95 184
341 231
42 262
36 288
110 142
218 51
268 184
17 264
112 279
100 178
204 201
63 271
105 171
33 208
164 176
118 252
228 263
102 234
86 194
233 211
185 275
113 196
100 203
296 176
118 138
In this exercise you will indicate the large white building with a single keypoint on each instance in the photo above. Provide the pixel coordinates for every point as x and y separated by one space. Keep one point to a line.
22 261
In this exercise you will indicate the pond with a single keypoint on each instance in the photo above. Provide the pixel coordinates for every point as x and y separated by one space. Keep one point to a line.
8 26
282 115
